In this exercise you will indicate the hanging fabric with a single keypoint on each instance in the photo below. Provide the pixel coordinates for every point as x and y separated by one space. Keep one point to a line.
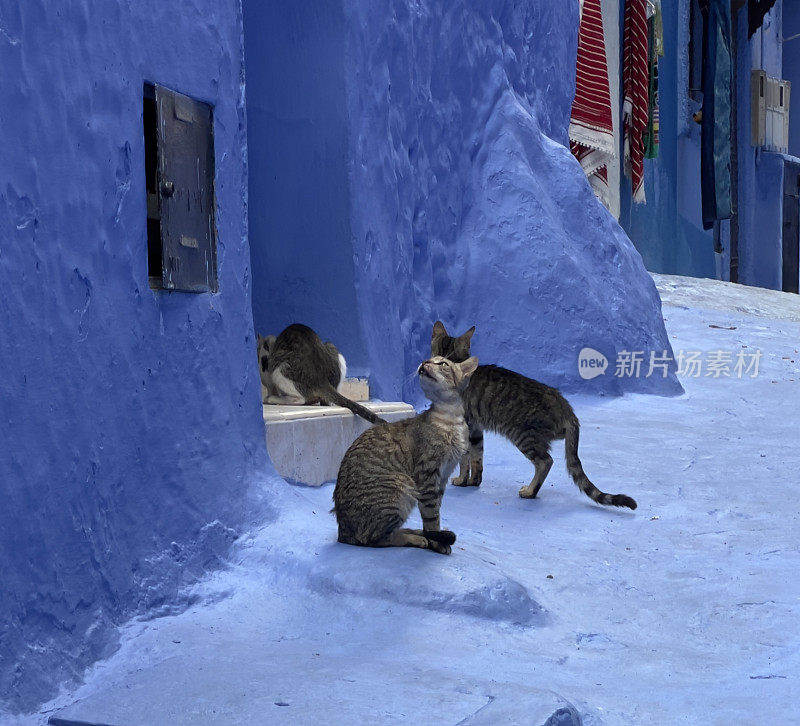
655 32
636 100
715 136
591 131
756 10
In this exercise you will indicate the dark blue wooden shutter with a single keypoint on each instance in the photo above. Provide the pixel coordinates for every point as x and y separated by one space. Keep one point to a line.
186 192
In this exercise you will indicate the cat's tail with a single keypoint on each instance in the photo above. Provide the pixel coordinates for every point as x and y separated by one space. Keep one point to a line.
333 398
575 469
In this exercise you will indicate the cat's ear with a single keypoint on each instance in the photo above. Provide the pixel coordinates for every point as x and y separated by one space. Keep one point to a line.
468 366
438 330
468 335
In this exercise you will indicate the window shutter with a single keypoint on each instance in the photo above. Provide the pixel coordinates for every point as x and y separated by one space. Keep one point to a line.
186 192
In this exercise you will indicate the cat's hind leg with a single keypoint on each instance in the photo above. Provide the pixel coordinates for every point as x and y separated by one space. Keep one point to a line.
463 471
542 465
285 390
537 450
375 508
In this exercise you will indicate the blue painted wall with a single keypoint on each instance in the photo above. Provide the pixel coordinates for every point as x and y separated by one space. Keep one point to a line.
791 68
760 173
668 229
463 202
470 208
131 430
300 232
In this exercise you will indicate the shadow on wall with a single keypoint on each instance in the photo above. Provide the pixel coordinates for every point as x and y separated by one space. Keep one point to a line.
298 157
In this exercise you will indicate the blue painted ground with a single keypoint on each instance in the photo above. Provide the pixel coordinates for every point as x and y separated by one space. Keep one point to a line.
684 611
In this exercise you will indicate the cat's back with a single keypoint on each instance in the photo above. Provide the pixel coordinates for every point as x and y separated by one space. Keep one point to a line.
305 358
502 380
400 445
496 394
297 339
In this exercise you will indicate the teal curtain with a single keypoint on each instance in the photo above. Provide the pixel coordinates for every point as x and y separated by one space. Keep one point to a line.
715 146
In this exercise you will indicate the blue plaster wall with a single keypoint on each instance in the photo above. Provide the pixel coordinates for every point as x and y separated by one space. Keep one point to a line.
760 173
791 68
466 204
131 429
668 229
298 149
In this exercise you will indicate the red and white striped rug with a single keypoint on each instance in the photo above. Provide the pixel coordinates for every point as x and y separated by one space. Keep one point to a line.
635 87
591 130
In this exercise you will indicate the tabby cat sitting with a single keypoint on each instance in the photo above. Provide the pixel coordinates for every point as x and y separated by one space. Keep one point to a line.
391 468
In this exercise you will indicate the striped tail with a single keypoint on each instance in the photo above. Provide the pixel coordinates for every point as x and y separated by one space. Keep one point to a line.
575 469
333 397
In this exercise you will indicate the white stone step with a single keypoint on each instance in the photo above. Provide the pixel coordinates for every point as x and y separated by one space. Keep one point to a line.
307 443
356 389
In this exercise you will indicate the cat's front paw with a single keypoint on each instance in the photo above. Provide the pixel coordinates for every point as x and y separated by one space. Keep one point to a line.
459 481
475 480
527 492
442 536
442 549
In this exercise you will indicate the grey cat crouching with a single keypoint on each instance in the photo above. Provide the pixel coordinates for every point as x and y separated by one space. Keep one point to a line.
298 368
528 413
389 469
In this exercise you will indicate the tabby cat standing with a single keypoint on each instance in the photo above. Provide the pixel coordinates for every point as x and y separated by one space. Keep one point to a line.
528 413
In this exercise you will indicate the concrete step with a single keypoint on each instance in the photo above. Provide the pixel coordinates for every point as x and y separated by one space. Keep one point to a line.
356 389
307 443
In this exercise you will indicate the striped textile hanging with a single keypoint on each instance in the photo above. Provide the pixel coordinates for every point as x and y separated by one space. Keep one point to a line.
591 131
635 87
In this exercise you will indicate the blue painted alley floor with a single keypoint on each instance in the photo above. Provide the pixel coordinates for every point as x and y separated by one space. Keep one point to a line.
684 611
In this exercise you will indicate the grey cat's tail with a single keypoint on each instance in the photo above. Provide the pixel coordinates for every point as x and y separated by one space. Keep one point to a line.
575 469
333 397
